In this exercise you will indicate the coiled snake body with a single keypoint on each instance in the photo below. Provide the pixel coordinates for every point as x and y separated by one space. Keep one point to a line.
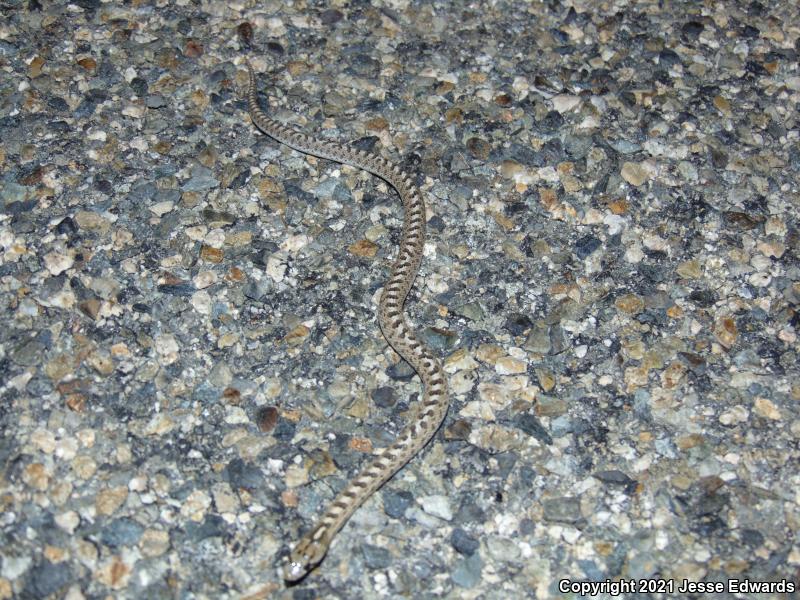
311 548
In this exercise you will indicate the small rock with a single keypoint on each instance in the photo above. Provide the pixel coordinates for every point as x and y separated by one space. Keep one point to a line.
47 578
463 543
121 532
384 397
565 102
767 409
564 509
467 573
376 557
57 263
634 173
396 503
533 427
437 505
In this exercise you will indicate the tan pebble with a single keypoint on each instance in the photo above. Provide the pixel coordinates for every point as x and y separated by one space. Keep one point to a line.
722 105
84 466
460 360
634 173
508 365
690 441
364 248
564 102
200 99
101 362
489 353
550 407
60 366
35 66
546 379
108 501
297 335
212 255
689 269
55 554
44 440
290 498
775 226
159 424
56 262
68 521
196 505
725 331
492 393
478 148
92 221
495 438
120 349
629 303
673 375
454 115
226 340
239 239
503 221
76 402
36 476
296 475
772 248
115 573
511 168
737 414
91 307
377 124
635 377
675 312
268 187
571 184
359 408
618 207
154 542
159 209
767 408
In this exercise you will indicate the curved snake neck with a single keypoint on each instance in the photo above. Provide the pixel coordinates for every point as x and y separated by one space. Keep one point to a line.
311 548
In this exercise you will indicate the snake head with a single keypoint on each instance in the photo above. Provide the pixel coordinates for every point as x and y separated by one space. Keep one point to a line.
308 553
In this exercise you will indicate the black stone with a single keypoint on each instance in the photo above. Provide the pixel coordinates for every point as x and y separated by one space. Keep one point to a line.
533 427
376 557
586 245
395 503
384 397
463 543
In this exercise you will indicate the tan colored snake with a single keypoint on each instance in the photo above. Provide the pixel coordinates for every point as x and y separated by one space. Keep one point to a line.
311 548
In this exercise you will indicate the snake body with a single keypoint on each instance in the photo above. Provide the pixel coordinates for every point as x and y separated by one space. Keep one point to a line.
313 546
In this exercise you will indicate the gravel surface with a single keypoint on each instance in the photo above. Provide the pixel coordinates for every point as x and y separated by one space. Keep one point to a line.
190 365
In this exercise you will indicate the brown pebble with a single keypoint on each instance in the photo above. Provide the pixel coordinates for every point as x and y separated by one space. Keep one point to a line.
232 395
245 32
193 49
364 248
88 63
90 307
458 430
212 255
267 418
478 148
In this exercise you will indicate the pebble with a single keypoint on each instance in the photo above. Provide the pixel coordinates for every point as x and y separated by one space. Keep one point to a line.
463 543
467 572
437 505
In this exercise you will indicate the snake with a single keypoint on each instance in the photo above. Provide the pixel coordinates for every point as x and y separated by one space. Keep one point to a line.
312 547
